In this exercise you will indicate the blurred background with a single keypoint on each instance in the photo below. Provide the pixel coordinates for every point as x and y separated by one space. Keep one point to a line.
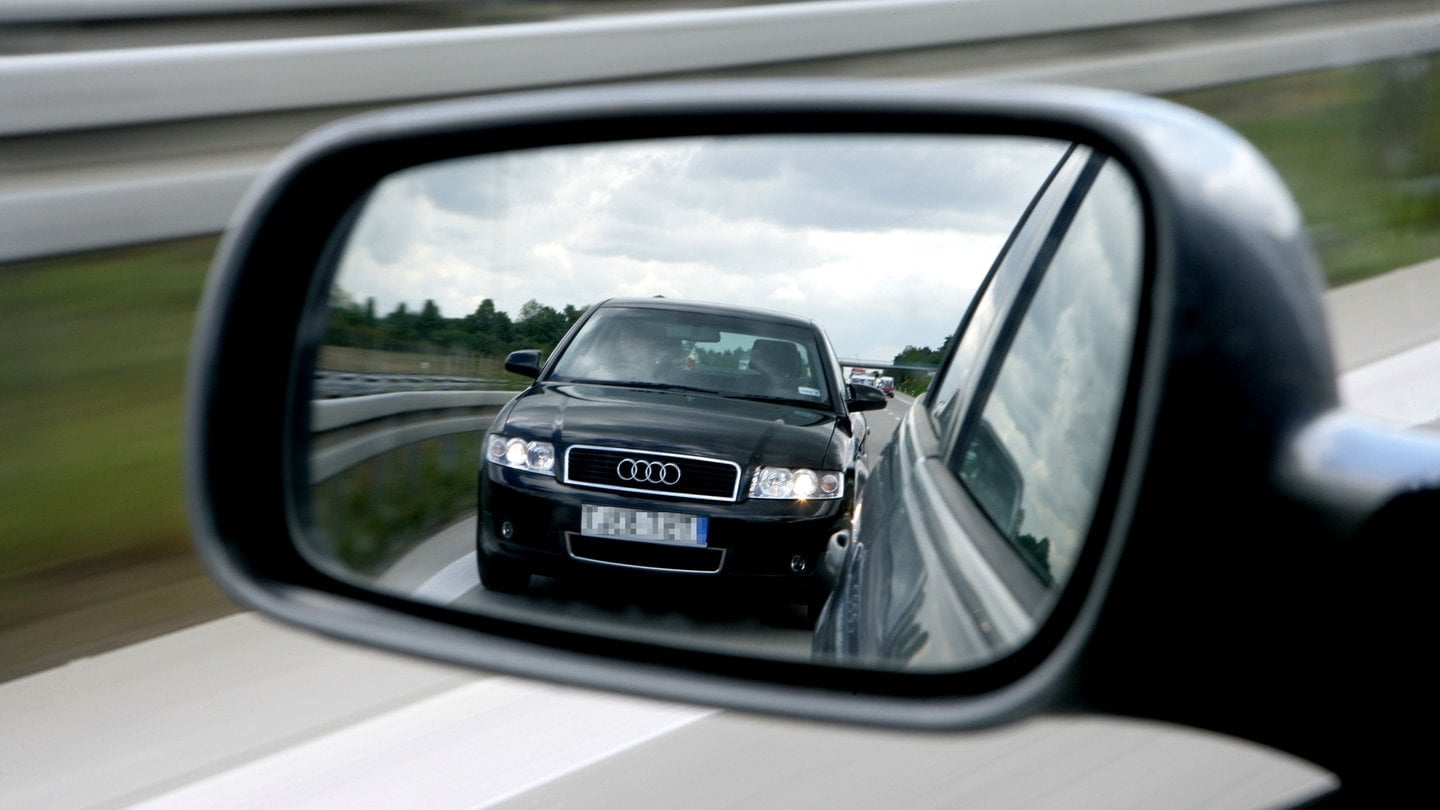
128 130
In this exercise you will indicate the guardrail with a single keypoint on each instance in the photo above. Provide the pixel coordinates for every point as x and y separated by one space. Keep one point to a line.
349 431
105 148
50 93
45 11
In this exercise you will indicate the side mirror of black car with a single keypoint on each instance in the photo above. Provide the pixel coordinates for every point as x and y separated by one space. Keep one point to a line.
865 398
525 362
1127 488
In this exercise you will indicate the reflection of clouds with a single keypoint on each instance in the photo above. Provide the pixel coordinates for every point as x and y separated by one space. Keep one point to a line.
871 184
1055 404
881 239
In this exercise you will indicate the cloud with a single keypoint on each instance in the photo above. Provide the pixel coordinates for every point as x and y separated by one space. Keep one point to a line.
882 239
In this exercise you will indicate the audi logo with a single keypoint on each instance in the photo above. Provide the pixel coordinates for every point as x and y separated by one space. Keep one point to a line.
640 471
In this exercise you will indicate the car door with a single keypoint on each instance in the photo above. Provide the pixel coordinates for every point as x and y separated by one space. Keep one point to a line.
974 515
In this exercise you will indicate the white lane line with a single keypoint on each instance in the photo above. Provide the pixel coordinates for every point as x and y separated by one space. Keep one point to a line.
450 582
473 747
1403 389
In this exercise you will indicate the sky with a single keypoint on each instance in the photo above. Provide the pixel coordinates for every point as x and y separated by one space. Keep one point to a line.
881 238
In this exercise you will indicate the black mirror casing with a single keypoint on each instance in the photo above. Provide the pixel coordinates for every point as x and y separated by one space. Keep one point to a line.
1197 594
525 362
865 398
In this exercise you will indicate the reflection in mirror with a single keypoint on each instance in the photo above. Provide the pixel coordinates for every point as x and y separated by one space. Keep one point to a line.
710 345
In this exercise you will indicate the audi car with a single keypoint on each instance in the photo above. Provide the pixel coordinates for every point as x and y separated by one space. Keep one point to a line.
674 439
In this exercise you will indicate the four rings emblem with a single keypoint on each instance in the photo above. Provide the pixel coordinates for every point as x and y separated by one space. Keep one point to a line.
648 472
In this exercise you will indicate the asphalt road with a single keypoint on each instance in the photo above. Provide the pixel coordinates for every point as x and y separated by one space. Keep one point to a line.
243 713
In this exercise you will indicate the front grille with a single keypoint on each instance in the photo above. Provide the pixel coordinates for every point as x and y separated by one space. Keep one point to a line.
652 473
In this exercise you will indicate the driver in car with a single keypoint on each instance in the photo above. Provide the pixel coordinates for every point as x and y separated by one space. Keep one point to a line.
642 353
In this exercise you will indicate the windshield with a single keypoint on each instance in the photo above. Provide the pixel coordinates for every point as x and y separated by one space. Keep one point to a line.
746 357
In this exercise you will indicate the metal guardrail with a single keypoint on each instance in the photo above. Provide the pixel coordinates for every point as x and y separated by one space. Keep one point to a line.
50 93
338 384
45 11
349 431
105 148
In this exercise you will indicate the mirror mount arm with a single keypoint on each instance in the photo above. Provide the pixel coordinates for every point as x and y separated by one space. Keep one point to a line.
1350 468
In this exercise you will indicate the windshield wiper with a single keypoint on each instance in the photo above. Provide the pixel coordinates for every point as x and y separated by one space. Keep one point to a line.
804 403
648 385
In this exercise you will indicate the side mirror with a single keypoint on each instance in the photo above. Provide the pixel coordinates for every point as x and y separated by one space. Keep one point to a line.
1129 488
865 398
525 362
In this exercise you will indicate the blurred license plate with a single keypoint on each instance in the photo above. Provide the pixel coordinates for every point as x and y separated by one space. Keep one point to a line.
638 524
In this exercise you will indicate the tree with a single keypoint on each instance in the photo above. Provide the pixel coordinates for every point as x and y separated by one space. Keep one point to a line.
916 382
540 326
429 322
491 331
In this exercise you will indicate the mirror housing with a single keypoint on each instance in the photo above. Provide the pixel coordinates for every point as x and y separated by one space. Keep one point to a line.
1233 368
865 398
525 362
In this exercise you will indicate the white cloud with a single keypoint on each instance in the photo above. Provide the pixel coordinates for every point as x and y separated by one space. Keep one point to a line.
880 239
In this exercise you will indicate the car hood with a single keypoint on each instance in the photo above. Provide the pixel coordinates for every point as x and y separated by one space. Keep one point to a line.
743 431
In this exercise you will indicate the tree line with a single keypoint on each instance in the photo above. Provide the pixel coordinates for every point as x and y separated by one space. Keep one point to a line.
915 383
491 332
486 331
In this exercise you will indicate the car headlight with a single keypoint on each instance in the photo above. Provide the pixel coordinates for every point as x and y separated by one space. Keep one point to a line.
519 454
800 484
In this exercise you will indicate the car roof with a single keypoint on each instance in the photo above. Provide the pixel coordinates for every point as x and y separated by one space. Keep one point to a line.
679 305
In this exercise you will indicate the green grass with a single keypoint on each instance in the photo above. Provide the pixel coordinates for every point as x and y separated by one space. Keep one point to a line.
92 360
1360 150
372 514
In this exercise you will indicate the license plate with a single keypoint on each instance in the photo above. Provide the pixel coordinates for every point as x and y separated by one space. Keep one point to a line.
620 523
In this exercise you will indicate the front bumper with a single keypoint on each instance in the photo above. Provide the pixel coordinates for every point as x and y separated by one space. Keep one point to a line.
534 521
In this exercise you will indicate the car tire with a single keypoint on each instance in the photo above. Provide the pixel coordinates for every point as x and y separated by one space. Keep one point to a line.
500 575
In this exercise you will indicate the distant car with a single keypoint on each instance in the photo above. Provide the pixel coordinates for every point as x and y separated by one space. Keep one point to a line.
887 385
674 439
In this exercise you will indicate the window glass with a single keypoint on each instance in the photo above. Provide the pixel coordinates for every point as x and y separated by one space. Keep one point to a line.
996 296
727 355
1036 458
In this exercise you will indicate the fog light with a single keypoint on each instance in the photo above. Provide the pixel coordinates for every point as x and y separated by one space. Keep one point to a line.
797 564
506 530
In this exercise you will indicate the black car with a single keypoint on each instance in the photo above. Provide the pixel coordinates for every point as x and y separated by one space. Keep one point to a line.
676 439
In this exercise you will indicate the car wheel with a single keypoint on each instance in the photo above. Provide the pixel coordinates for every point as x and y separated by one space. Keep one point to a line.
502 576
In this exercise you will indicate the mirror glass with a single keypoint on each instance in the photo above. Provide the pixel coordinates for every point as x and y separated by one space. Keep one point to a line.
647 389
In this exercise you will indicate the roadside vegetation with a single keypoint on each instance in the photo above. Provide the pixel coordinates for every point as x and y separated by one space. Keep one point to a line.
1369 209
371 514
485 333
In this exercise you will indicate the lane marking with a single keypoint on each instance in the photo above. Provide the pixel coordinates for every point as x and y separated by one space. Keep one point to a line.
450 582
1401 389
473 747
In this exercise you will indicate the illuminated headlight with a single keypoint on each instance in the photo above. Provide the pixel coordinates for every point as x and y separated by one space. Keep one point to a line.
536 457
783 483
